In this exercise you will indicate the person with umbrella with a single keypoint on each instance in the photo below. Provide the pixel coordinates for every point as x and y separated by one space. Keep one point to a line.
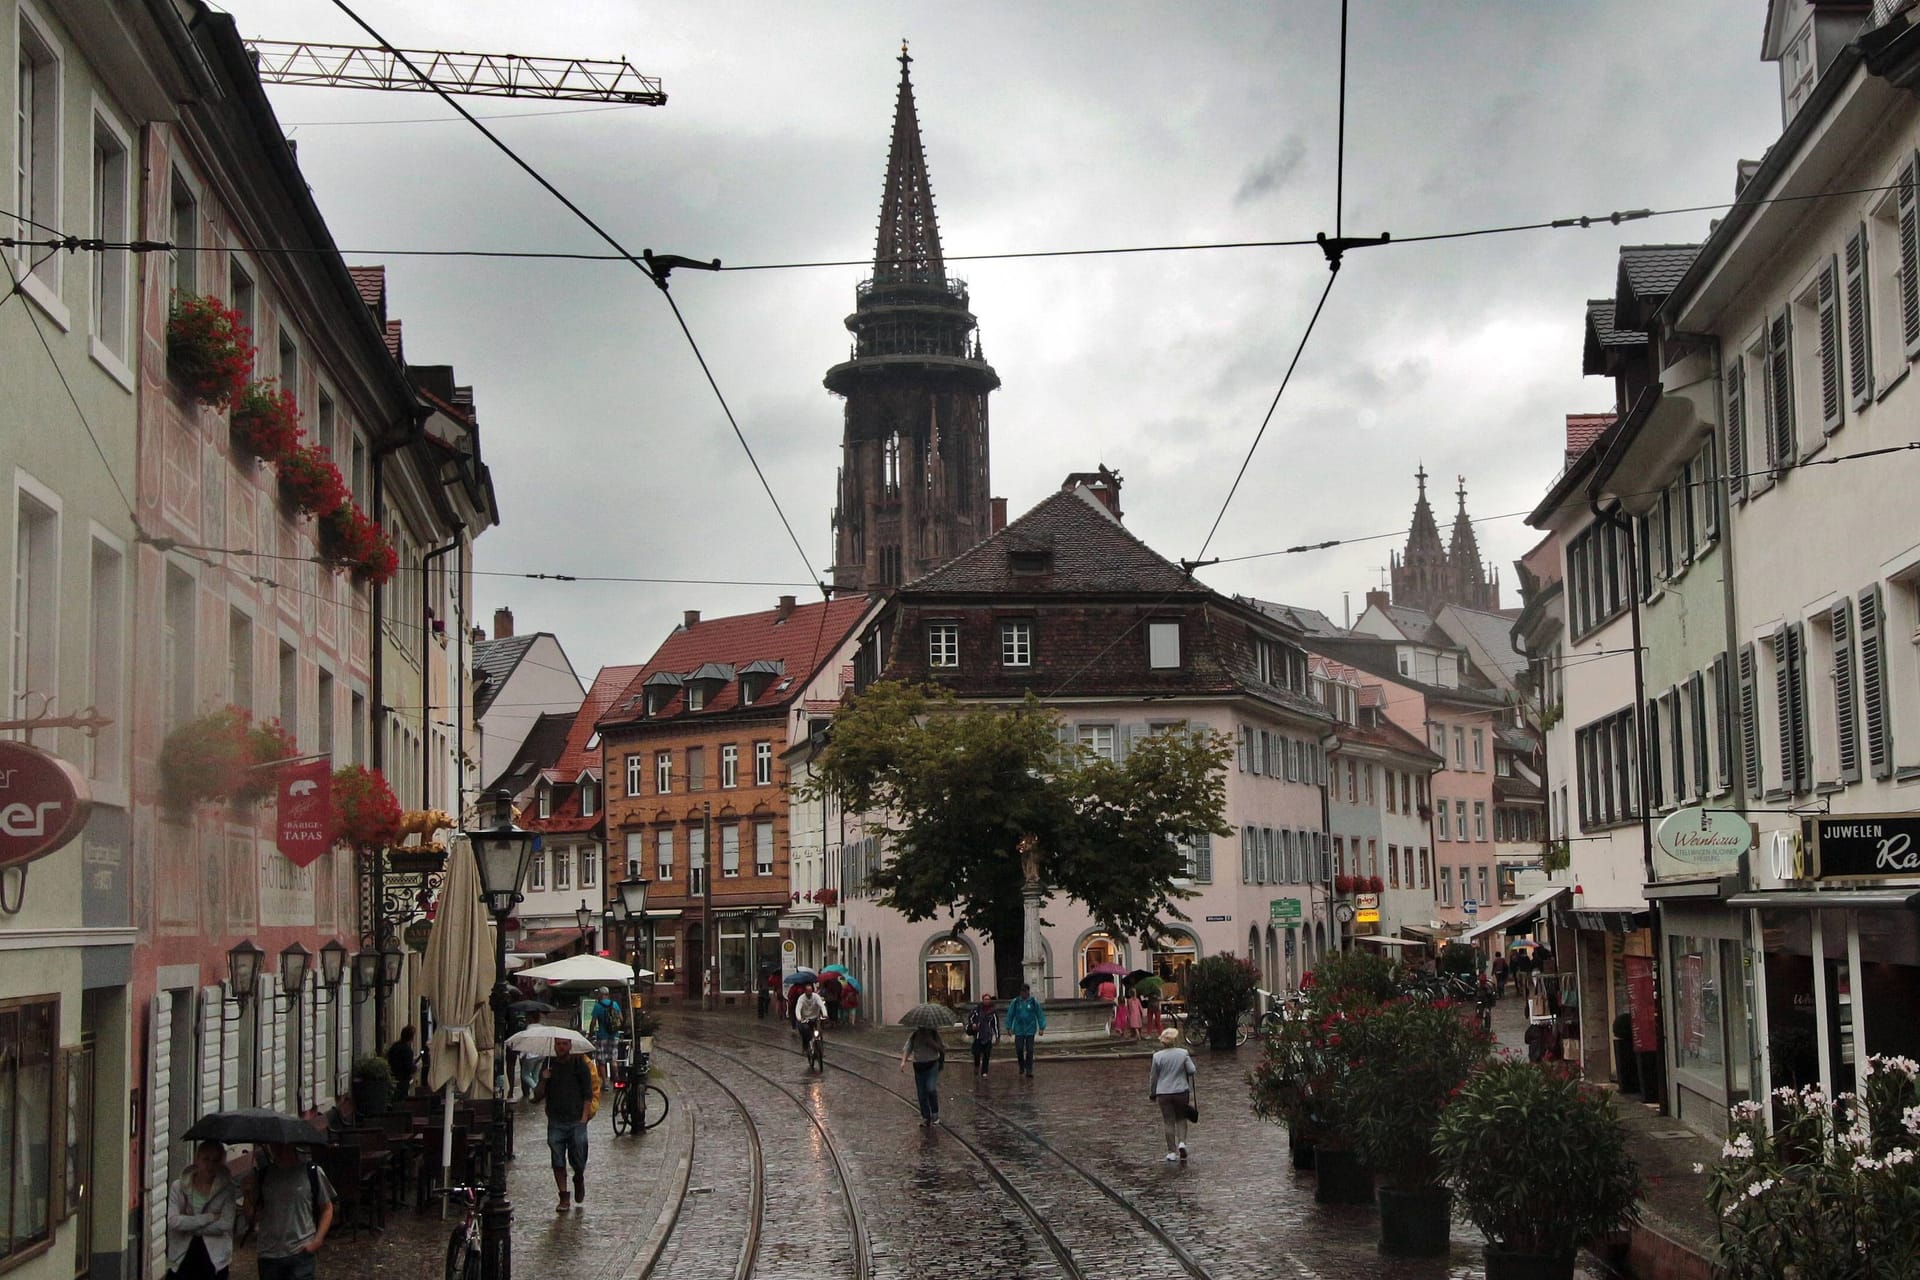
571 1089
926 1052
831 991
291 1209
202 1204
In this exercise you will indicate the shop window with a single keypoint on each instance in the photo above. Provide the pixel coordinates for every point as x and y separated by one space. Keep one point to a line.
949 972
27 1105
733 954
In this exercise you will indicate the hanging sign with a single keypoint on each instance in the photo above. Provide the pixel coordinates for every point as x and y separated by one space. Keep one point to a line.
305 811
44 802
1866 846
1284 910
1697 841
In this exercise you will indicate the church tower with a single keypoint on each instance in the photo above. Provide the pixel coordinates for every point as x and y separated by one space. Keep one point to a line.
1429 575
913 474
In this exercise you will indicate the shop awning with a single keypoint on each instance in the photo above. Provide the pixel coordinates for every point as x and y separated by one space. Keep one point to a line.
1382 940
665 913
1425 931
1610 920
1881 898
1706 887
544 942
1519 913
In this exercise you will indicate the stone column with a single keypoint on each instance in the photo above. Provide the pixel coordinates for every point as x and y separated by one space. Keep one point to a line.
1033 959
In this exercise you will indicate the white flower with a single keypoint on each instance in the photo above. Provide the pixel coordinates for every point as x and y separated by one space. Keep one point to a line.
1905 1066
1740 1146
1744 1110
1910 1119
1899 1155
1698 1167
1755 1191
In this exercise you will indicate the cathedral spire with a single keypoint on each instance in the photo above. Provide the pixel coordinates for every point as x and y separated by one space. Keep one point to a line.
1431 574
909 244
1423 537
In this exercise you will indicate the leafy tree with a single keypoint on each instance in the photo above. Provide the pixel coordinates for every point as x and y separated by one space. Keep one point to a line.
955 790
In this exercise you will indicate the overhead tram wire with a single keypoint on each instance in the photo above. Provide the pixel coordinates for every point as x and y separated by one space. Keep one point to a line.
655 271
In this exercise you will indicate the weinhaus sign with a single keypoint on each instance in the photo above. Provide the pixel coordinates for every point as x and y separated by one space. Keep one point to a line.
1700 842
1866 846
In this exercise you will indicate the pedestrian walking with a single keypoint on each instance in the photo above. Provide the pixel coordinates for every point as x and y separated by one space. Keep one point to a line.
1170 1077
604 1023
529 1063
1132 1015
831 991
202 1204
926 1052
1499 976
571 1089
983 1028
291 1209
769 980
1025 1020
1155 1024
402 1058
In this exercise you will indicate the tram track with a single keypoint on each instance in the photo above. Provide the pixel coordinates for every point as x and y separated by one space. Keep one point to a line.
991 1164
756 1187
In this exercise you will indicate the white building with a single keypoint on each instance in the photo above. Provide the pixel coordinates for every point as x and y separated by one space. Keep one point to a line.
516 680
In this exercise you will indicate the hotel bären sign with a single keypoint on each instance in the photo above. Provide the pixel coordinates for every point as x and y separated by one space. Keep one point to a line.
1866 846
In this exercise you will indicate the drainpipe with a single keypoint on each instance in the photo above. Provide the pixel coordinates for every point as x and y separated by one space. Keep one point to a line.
426 649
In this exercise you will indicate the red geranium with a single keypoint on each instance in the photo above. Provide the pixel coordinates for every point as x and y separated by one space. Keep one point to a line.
309 482
209 349
1343 885
216 757
365 812
1376 885
265 422
350 537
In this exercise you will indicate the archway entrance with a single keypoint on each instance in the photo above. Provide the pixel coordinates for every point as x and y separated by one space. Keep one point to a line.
949 972
1173 962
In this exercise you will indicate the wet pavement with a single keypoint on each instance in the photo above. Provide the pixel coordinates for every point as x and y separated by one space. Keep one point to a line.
768 1169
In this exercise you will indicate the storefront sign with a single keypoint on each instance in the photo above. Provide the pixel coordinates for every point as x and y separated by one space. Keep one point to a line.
1284 910
305 811
44 803
1640 1002
1870 846
1697 841
1786 855
1367 915
1366 902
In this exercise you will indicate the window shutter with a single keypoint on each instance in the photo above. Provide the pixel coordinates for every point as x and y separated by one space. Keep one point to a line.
1859 319
1292 762
1783 705
1203 857
1873 683
1246 856
1246 749
1846 718
1697 695
1706 473
1677 740
1736 430
1723 724
1780 390
1909 260
1831 392
1802 728
1656 779
1749 724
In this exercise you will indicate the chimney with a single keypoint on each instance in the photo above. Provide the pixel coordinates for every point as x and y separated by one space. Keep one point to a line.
785 610
1378 597
479 634
692 616
999 514
502 623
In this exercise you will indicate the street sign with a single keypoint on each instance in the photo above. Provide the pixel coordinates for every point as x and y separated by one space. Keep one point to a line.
1471 907
1218 919
1284 910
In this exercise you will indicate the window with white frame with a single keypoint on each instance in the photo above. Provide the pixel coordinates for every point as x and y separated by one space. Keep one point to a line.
36 150
663 772
763 764
112 218
544 800
35 684
1892 270
537 869
589 801
589 868
730 851
1446 886
1819 373
943 645
1016 644
1480 750
763 848
1460 819
696 860
635 772
1097 738
563 868
183 222
1442 829
1479 819
663 854
106 664
1163 645
636 852
729 765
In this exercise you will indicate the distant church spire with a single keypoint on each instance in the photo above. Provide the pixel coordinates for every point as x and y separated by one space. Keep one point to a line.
1429 574
913 489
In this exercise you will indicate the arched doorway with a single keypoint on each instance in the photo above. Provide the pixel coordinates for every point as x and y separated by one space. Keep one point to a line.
1173 963
1095 950
947 964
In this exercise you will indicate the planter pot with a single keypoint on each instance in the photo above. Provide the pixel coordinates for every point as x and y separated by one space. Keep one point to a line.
1341 1178
372 1097
1301 1148
1221 1041
1415 1222
1505 1264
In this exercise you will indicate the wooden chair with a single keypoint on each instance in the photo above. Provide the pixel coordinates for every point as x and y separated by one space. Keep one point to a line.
341 1164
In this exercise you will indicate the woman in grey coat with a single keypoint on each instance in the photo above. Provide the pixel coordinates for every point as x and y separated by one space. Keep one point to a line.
1170 1083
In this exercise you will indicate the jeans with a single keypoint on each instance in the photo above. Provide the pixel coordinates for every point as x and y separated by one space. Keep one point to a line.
568 1144
1023 1053
529 1073
982 1054
298 1267
926 1085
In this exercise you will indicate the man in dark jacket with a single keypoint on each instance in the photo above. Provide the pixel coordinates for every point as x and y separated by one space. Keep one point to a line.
831 991
570 1087
402 1058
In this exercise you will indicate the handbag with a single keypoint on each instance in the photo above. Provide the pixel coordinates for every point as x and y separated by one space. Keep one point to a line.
1193 1107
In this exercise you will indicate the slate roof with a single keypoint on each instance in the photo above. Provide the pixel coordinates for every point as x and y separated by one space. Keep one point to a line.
800 642
577 757
1416 624
544 743
1387 735
1493 632
1091 553
1606 340
1308 622
1648 273
493 665
1516 788
1376 657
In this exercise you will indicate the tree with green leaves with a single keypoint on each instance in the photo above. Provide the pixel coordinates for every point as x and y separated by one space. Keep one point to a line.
953 790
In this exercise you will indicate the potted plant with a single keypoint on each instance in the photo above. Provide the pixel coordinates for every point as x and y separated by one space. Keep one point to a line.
309 482
209 349
646 1025
218 757
350 538
264 423
1291 1086
1407 1059
1538 1162
365 813
1829 1190
372 1085
1219 990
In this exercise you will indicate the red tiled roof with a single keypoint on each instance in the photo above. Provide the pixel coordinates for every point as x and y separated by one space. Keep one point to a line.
577 757
393 340
801 641
372 283
1583 429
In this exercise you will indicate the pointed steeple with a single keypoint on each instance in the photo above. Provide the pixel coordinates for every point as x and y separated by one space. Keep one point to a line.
909 245
1463 549
1423 537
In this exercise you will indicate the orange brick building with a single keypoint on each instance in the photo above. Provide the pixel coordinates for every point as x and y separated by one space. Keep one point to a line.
696 798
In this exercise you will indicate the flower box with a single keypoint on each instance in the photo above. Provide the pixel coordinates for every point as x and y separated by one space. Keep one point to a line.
209 350
365 813
217 758
353 541
310 485
264 423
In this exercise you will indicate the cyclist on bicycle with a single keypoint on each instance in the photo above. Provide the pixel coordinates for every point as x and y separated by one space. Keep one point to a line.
810 1014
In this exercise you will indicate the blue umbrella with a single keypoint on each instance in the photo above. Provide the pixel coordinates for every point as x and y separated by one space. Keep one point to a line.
848 979
799 976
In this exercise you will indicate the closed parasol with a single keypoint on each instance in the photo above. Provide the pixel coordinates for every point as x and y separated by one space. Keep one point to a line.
456 979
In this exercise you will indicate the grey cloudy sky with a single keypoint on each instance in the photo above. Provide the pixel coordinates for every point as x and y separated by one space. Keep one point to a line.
1047 127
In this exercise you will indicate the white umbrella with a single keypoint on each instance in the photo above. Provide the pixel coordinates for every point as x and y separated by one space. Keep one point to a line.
538 1040
584 969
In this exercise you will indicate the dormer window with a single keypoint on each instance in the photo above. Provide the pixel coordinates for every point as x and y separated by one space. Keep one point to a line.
1030 560
544 801
589 800
706 682
660 688
696 697
756 676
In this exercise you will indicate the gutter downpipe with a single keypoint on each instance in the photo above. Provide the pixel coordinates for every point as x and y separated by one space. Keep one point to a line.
426 650
378 927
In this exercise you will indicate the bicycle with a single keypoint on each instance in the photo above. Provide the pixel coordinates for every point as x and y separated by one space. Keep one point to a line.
813 1039
1194 1028
637 1105
1281 1009
463 1246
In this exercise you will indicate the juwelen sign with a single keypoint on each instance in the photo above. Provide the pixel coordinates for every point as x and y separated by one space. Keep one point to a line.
44 802
1866 846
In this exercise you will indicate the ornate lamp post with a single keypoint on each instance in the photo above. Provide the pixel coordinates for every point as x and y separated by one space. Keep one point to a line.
501 852
584 918
630 898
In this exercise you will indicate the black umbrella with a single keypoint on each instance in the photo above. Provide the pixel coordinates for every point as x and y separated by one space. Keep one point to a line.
254 1124
531 1006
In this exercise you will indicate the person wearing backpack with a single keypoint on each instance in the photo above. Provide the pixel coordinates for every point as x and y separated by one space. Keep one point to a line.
570 1087
983 1028
291 1209
1025 1020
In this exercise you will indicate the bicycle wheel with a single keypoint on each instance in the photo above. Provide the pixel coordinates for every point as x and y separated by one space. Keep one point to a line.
463 1252
1194 1030
1243 1027
651 1106
622 1112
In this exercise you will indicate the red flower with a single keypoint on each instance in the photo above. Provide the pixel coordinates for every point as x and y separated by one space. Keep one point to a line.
350 538
209 350
1343 885
365 813
309 482
265 422
216 757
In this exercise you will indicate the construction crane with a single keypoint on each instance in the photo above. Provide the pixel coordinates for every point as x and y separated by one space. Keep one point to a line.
483 75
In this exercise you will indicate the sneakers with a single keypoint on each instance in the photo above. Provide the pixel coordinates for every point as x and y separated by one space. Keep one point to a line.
580 1185
1172 1157
1183 1153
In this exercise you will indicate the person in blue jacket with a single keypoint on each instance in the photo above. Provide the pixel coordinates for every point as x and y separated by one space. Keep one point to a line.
1025 1019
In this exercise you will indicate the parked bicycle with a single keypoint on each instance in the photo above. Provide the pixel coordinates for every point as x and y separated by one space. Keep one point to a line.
463 1246
1280 1009
637 1105
1193 1028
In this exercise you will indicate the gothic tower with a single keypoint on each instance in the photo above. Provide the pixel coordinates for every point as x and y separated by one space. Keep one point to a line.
913 473
1428 575
1471 586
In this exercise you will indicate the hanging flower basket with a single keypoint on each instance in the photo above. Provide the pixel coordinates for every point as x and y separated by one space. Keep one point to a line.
310 485
1343 885
265 422
215 758
353 541
365 812
827 897
209 349
1375 885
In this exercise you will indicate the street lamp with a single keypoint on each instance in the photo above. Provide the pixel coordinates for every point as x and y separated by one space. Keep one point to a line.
366 975
501 853
630 897
333 966
584 918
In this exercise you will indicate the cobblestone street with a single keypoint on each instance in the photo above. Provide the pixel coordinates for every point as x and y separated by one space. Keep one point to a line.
764 1168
